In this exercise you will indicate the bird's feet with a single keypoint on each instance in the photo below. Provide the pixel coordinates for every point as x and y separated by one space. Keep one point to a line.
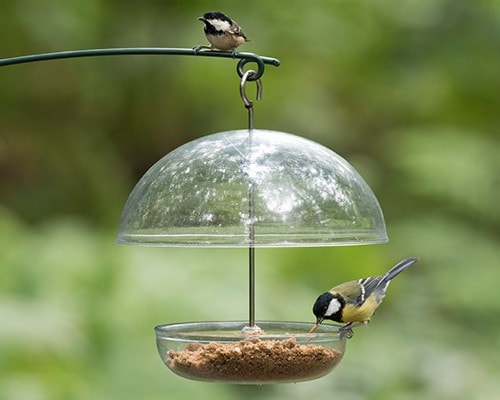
347 333
346 330
197 48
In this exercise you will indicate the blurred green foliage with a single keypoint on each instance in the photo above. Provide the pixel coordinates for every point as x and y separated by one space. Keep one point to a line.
407 91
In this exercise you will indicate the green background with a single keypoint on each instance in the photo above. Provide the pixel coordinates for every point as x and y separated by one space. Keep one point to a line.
406 90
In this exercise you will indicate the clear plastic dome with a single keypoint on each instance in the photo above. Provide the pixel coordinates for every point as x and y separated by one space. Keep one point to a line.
256 188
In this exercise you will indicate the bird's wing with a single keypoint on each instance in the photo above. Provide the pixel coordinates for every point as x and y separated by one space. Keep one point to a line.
372 284
353 292
236 30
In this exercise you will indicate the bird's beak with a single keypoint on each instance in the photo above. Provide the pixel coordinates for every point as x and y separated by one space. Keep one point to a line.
319 320
201 19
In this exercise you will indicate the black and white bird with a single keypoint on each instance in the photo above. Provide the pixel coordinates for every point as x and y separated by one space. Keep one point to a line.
222 32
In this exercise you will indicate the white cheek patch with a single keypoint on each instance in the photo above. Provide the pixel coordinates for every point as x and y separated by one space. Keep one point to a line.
219 24
333 307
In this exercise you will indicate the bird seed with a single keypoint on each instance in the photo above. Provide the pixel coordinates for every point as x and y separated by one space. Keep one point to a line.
253 360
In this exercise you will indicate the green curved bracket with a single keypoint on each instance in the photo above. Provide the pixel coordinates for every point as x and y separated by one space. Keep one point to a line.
243 57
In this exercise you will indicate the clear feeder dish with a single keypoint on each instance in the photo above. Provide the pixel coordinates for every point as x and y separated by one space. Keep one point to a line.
280 352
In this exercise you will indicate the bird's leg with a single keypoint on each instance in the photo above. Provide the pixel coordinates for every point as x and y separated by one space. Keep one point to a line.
347 329
233 53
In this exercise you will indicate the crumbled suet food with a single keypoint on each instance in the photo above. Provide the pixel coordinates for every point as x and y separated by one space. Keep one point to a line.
253 360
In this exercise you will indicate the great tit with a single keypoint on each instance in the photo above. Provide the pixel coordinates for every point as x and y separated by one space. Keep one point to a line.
355 301
222 32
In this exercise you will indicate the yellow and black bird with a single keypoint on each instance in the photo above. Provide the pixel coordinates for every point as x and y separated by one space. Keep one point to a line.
222 32
356 301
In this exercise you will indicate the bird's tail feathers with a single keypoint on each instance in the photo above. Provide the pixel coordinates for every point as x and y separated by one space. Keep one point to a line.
399 267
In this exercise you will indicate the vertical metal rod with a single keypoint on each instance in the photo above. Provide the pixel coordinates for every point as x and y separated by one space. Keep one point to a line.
251 231
251 258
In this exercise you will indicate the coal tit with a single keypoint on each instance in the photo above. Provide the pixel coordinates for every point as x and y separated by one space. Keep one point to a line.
222 32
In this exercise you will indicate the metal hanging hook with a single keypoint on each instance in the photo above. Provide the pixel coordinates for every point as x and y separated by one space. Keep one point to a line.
248 103
249 76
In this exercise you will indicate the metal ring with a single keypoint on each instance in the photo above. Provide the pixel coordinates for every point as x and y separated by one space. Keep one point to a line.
256 76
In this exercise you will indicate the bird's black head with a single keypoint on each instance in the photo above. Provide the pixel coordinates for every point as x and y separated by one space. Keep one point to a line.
328 306
215 15
216 23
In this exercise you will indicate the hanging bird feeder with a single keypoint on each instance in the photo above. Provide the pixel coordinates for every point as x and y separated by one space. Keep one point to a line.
246 188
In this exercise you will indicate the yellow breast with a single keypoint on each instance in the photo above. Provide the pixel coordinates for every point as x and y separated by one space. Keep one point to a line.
363 313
